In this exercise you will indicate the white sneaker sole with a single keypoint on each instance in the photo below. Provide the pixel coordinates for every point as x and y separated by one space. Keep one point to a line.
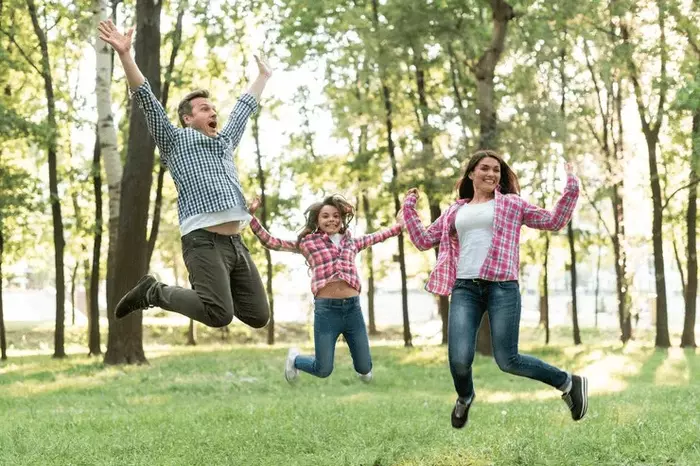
290 372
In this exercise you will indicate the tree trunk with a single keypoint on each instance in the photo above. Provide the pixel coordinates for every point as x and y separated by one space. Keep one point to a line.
125 337
597 287
662 335
443 301
192 334
3 340
544 290
165 93
386 94
58 240
73 276
370 265
426 138
109 151
484 71
651 129
570 227
691 219
92 291
263 221
459 100
574 281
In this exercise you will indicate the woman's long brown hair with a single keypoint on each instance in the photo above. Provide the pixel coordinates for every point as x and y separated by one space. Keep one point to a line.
508 184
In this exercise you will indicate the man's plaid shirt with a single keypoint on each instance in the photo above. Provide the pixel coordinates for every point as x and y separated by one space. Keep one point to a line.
327 261
202 167
502 262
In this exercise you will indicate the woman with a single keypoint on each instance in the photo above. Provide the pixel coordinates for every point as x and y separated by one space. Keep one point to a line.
478 260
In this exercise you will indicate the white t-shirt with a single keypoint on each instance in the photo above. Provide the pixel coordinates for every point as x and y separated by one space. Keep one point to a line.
209 219
474 225
335 238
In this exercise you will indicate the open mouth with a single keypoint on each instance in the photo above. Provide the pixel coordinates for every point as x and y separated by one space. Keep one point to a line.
212 124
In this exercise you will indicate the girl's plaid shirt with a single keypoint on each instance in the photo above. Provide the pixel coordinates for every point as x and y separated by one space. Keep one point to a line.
503 258
327 261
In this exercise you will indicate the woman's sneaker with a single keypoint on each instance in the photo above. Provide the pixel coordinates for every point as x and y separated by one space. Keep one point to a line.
460 413
290 372
577 398
366 378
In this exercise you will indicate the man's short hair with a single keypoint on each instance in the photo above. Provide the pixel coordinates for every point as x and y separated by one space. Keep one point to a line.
185 105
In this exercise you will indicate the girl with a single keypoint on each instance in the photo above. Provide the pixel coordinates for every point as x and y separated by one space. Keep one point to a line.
330 252
478 260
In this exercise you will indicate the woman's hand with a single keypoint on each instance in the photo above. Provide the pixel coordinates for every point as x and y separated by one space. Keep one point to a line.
413 191
253 206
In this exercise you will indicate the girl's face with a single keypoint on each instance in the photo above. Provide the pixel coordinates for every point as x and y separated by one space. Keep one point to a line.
329 220
486 175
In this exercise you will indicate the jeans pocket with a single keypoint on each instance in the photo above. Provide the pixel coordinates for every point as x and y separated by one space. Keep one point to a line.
196 240
509 285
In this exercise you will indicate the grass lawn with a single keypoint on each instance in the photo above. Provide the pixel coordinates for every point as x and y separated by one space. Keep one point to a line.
223 404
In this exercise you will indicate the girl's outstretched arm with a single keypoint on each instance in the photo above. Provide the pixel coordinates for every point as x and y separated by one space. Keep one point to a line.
556 219
266 239
421 237
377 237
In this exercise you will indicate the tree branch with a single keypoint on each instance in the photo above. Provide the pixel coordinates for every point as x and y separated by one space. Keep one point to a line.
595 207
21 51
689 185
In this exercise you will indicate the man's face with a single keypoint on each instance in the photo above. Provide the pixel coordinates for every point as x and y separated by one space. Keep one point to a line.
203 117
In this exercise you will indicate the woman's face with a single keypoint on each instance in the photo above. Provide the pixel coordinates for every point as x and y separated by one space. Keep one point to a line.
329 220
486 175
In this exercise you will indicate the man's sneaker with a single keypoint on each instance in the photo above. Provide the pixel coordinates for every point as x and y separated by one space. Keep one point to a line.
577 398
290 372
366 378
137 298
460 413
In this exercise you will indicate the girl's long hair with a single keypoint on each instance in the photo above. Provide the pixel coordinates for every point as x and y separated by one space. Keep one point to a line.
508 184
347 212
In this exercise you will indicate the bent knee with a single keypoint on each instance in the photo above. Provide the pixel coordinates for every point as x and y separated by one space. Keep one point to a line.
259 322
324 372
508 364
221 320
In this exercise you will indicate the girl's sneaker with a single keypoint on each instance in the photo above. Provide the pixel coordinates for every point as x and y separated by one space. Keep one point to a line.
366 378
290 372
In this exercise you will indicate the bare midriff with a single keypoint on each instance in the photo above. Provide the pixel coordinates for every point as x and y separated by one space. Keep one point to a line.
338 289
227 229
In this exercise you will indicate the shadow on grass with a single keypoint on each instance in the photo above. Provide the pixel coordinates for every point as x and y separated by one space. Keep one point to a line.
38 372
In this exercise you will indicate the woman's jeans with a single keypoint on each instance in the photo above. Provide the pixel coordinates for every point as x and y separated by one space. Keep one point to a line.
470 299
333 317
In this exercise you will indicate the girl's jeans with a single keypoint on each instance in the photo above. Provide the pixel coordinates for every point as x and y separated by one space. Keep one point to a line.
333 317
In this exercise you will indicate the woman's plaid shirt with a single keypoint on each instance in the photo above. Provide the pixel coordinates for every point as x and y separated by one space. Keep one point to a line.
503 258
328 262
202 167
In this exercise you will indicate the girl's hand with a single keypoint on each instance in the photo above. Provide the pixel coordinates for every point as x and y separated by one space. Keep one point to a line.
400 220
413 191
263 66
253 206
121 43
569 167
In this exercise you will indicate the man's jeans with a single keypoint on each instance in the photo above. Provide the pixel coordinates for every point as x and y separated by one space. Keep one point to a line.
470 299
333 317
224 279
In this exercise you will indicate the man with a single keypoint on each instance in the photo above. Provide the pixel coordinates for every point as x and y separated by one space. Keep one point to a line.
211 206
